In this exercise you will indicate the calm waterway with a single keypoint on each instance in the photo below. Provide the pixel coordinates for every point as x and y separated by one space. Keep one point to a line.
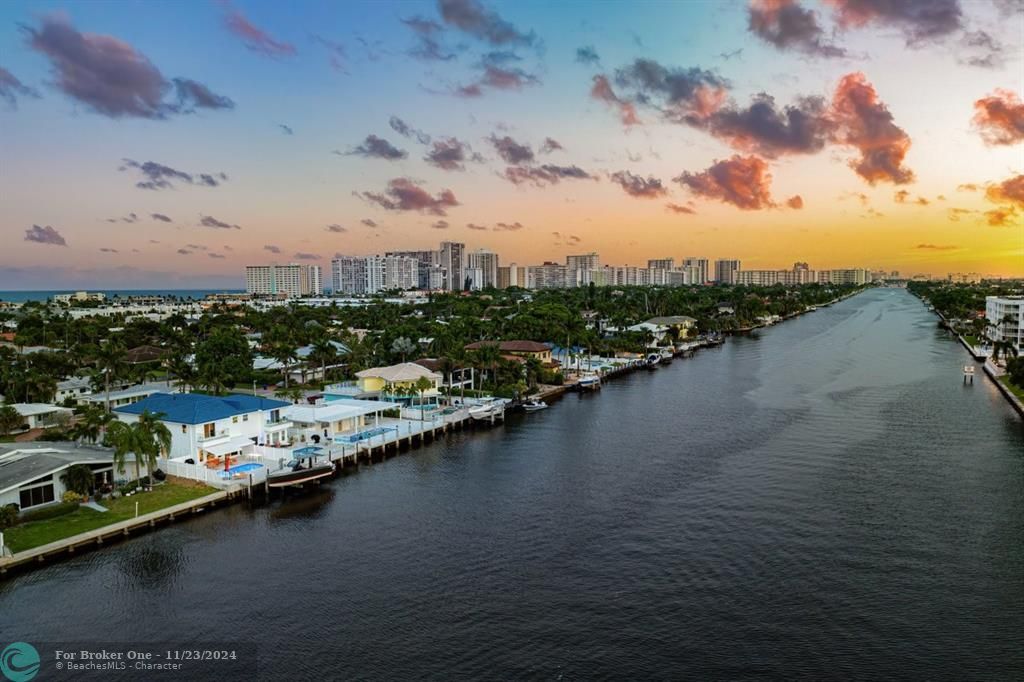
822 499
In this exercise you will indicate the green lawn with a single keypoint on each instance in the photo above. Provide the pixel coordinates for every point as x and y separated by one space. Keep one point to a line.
971 340
1014 389
35 533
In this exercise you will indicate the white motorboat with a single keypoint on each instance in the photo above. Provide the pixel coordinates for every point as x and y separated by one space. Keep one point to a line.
535 405
489 409
589 382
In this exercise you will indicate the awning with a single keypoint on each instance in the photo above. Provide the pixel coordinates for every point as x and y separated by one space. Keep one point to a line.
233 445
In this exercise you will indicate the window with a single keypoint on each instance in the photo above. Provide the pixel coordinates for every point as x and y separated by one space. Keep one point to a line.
245 417
209 430
35 496
234 420
184 429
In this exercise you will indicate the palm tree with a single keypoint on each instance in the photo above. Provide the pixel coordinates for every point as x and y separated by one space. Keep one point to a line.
284 353
422 384
122 437
153 439
91 423
323 352
79 478
109 359
402 346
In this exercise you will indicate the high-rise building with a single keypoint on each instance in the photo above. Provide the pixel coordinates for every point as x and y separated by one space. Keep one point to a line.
546 276
373 274
702 268
576 265
429 270
800 274
452 257
487 262
293 280
725 270
662 263
348 275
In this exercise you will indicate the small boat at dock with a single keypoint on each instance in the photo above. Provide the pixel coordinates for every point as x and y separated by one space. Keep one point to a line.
305 466
589 382
652 360
535 405
489 409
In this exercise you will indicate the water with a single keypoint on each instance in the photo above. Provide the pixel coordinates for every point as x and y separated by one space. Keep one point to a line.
823 500
23 296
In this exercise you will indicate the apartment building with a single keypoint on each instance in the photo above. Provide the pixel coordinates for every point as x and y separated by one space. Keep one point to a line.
294 280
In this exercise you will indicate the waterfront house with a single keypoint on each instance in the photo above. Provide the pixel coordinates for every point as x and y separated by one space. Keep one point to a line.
1005 315
395 382
75 389
43 415
337 418
681 323
520 349
206 426
129 394
30 473
453 381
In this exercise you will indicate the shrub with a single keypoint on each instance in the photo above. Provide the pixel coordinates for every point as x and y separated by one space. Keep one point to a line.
8 515
49 512
70 496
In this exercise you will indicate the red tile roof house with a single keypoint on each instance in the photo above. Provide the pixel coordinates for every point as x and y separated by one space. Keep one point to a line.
520 349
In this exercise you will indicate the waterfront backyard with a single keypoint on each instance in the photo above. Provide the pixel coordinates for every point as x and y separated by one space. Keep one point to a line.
31 534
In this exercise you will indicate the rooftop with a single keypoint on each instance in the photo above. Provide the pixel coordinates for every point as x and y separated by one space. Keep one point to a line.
26 462
197 408
335 411
30 409
404 371
515 346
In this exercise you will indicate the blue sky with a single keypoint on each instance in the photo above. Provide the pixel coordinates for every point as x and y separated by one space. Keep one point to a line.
61 156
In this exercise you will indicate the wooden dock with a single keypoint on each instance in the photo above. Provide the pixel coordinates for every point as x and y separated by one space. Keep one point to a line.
112 533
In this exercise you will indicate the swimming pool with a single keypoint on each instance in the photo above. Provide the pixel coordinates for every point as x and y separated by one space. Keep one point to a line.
308 450
364 435
240 469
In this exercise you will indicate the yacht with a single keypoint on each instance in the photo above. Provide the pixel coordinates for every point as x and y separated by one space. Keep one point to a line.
488 409
589 382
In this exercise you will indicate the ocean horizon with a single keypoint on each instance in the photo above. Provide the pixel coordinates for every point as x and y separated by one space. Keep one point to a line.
44 294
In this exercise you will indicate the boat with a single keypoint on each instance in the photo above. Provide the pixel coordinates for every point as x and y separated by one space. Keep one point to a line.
535 405
305 466
489 409
589 382
666 355
652 360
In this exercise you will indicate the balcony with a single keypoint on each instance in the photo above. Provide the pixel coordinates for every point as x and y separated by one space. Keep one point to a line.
276 425
217 439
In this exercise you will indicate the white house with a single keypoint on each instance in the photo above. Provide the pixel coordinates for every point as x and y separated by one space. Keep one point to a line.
42 415
328 420
1005 314
206 426
129 395
30 472
77 389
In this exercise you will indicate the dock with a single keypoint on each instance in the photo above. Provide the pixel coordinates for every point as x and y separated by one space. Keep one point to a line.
114 532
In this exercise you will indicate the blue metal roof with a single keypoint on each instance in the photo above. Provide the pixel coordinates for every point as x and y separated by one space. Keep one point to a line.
196 408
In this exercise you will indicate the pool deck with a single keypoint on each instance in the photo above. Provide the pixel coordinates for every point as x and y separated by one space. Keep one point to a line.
112 533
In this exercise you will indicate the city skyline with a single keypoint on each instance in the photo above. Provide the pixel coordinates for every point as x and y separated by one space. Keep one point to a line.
860 137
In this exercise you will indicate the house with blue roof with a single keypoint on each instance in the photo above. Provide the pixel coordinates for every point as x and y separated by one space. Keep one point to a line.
208 428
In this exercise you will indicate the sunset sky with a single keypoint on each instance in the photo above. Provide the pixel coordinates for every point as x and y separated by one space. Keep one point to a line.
169 144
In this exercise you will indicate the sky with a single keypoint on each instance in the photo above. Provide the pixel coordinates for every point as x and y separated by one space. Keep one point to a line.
169 144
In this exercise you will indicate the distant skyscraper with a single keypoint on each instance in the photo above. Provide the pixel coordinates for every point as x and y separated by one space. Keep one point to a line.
487 262
702 268
348 275
578 266
293 280
452 257
662 263
725 270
